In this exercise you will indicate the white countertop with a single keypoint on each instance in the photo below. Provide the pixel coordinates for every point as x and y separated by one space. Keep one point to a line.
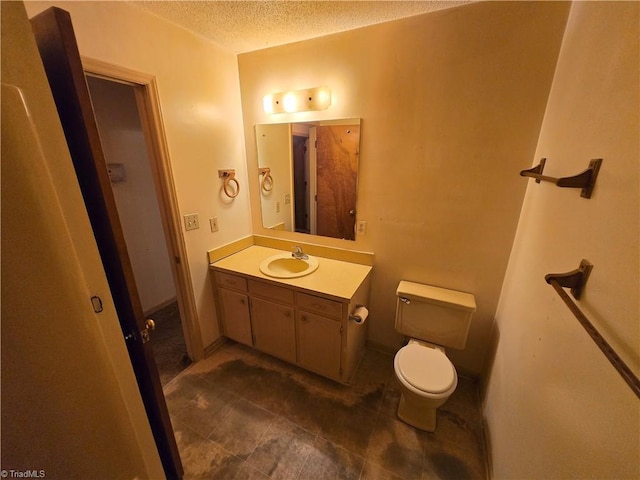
333 277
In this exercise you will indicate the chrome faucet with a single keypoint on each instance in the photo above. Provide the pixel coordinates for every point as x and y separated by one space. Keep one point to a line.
299 254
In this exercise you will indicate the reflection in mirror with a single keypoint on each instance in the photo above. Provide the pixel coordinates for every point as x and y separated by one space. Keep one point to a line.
308 174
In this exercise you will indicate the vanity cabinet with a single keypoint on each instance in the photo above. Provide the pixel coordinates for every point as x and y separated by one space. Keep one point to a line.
273 319
274 329
289 320
319 344
320 332
234 307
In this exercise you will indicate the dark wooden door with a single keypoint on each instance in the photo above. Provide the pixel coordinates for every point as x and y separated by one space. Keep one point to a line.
59 51
337 173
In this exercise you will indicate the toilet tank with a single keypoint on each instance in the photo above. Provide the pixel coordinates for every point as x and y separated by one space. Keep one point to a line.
433 314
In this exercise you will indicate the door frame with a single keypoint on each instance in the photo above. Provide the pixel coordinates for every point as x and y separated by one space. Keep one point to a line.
313 180
148 105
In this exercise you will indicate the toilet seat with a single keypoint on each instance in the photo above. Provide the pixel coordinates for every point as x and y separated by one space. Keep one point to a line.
426 368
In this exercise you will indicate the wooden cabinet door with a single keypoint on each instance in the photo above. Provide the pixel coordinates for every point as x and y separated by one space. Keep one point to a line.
236 320
274 329
319 344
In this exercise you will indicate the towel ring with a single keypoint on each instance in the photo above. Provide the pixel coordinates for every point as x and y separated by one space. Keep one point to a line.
227 181
266 184
229 176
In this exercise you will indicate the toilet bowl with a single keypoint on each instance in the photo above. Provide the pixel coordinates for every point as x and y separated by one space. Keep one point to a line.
427 379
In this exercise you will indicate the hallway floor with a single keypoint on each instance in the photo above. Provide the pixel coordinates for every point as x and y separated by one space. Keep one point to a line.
245 415
167 341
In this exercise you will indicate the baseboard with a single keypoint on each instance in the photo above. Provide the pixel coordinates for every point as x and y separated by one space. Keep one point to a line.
466 373
161 305
379 347
215 346
486 434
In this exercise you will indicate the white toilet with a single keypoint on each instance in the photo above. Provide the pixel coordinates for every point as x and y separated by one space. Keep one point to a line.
433 318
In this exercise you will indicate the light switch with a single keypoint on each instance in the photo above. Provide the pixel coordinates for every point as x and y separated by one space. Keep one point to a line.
191 221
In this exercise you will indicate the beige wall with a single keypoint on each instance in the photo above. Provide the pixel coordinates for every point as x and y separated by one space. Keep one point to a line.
555 406
274 150
451 104
200 101
70 402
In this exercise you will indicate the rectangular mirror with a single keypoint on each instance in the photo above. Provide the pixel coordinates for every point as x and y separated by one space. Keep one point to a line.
308 174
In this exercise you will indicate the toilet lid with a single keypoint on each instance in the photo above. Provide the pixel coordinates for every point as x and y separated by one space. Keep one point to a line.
427 369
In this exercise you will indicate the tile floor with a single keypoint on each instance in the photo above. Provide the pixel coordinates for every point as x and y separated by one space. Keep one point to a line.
240 414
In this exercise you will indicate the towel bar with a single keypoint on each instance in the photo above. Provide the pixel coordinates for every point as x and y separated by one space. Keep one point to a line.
576 280
585 180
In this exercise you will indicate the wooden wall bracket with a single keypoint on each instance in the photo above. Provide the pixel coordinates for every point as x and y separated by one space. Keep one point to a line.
585 180
575 280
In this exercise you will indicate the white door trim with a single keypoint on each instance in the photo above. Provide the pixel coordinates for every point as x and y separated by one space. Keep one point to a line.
148 102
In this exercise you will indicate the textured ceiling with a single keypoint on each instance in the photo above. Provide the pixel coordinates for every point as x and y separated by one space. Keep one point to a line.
244 26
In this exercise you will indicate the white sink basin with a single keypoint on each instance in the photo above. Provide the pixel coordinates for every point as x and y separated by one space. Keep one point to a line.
283 265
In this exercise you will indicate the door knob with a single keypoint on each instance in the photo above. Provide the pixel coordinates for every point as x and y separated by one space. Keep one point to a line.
150 324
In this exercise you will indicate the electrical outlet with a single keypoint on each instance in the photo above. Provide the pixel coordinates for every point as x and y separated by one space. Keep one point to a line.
213 223
191 221
287 198
361 227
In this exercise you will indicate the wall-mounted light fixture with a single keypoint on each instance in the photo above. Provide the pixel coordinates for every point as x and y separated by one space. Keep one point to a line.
318 98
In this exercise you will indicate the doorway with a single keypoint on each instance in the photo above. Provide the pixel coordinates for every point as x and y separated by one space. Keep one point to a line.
301 183
125 105
126 153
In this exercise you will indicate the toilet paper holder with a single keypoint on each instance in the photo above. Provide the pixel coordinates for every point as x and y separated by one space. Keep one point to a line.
358 318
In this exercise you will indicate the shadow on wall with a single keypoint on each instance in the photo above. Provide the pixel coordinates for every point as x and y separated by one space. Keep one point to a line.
492 349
